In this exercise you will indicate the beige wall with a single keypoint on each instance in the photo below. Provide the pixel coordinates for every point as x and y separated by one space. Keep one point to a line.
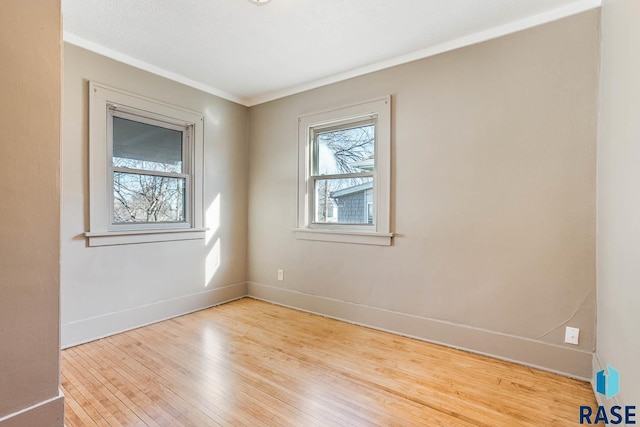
30 76
619 197
494 152
111 288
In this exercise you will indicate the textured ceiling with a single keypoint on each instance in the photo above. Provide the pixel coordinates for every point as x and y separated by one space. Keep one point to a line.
251 54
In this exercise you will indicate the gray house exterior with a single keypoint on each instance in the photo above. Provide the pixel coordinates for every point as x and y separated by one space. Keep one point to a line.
355 204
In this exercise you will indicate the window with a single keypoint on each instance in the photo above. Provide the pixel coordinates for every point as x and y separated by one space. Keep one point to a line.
146 170
344 182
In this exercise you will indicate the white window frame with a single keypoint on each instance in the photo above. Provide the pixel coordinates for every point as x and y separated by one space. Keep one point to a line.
366 210
106 102
378 110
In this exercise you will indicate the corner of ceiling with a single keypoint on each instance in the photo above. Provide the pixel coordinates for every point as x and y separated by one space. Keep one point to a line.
573 8
137 63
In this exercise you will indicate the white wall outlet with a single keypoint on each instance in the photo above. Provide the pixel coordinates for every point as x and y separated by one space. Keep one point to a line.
571 335
280 275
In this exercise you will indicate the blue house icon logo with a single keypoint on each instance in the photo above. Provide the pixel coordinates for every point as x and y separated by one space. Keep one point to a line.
608 385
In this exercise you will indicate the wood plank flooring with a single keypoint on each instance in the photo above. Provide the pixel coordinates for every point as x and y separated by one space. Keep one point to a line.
253 363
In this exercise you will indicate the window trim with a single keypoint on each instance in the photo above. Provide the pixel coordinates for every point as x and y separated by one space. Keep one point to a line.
380 232
103 100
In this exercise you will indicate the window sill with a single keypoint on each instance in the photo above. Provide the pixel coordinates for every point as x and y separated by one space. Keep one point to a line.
356 237
111 238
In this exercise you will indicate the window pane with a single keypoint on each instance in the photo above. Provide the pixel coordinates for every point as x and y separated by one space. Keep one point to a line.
346 150
344 201
142 146
147 198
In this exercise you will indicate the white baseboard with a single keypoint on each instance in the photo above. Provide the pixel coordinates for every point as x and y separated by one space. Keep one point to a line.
549 357
85 330
566 361
48 413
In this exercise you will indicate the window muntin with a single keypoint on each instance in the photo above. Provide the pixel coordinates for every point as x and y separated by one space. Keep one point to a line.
150 169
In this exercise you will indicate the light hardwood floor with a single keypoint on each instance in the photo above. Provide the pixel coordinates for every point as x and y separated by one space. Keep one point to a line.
253 363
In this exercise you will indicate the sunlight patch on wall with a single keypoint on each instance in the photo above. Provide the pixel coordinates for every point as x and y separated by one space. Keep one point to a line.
212 263
212 219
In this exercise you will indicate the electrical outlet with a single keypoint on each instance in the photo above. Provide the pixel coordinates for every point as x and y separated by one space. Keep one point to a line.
280 275
571 335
